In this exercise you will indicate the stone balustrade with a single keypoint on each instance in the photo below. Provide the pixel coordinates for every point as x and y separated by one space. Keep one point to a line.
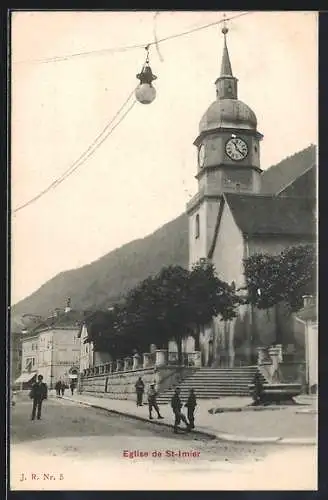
156 359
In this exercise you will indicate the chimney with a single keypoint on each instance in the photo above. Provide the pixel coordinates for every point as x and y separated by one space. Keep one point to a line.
68 305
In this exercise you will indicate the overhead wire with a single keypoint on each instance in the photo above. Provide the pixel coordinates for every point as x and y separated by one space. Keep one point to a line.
107 131
85 155
135 46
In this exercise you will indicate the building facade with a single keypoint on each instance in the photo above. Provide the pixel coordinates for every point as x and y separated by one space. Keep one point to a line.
52 349
239 211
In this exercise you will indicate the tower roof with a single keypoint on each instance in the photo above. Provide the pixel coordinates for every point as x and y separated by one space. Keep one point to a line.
227 111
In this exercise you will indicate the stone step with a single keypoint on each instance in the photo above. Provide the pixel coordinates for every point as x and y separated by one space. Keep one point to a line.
212 383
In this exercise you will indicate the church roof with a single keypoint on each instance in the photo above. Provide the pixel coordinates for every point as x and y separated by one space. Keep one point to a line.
271 215
277 177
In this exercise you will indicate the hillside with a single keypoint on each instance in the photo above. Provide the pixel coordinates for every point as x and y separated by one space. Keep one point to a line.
107 279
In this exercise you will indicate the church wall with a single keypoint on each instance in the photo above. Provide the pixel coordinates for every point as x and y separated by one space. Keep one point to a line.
229 250
199 247
228 257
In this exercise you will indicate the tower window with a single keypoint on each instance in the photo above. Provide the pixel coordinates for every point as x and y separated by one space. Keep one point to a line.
197 228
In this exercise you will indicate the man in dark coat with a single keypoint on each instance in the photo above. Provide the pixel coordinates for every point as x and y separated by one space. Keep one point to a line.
38 394
140 387
191 405
72 386
62 388
152 402
58 387
176 405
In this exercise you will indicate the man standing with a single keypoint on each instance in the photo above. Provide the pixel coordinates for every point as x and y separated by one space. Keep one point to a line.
140 387
176 407
38 394
58 387
72 387
62 388
152 403
191 405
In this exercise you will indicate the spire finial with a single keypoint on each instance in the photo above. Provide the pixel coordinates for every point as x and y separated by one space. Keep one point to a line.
225 29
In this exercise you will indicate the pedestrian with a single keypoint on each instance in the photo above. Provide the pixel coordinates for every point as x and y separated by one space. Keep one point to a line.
191 405
140 387
72 387
58 388
176 405
38 394
152 402
62 388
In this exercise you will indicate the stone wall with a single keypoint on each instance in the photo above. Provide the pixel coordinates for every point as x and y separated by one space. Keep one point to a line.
121 385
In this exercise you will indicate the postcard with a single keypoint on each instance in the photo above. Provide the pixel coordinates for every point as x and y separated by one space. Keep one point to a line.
163 316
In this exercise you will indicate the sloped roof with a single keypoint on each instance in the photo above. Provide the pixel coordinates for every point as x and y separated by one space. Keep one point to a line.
71 319
271 215
275 178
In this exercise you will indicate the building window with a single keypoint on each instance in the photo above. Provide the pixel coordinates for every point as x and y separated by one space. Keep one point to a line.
197 228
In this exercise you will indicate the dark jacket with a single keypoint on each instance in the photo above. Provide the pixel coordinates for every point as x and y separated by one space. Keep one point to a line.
39 391
176 402
152 395
191 401
140 386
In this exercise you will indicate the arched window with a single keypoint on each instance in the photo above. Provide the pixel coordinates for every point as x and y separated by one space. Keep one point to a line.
197 228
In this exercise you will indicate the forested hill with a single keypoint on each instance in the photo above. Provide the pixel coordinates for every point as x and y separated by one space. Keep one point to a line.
106 280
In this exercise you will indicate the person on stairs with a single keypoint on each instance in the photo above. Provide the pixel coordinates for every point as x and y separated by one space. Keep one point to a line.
152 402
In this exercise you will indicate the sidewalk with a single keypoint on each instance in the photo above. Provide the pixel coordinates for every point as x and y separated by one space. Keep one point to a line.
283 425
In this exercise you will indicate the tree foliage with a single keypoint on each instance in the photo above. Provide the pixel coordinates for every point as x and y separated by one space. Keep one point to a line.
165 306
287 277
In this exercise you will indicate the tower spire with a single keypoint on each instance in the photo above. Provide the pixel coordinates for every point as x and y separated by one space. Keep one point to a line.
226 84
226 64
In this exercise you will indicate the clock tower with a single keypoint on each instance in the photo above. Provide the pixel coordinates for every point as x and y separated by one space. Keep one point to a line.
228 146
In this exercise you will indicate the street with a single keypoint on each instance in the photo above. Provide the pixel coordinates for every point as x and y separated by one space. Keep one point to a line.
75 447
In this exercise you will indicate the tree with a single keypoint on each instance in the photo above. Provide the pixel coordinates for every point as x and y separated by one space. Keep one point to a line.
162 307
281 279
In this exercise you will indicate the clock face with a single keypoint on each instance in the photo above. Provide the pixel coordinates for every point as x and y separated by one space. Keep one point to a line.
201 155
236 149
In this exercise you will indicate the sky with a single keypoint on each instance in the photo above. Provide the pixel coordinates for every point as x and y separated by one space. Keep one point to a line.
142 175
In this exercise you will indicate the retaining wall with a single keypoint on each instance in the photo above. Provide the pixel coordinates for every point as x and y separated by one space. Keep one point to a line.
121 385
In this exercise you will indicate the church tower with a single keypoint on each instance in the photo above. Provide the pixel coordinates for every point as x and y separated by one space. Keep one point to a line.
228 146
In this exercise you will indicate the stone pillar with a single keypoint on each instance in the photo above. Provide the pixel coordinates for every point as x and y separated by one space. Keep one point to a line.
197 359
127 364
261 355
146 359
275 353
119 365
136 361
110 367
161 357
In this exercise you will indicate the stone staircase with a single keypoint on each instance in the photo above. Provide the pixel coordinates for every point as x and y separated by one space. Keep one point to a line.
213 383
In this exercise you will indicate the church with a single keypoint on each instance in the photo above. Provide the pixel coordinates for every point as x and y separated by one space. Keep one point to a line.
240 210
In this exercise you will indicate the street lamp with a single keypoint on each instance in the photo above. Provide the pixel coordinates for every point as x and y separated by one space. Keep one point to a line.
145 92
